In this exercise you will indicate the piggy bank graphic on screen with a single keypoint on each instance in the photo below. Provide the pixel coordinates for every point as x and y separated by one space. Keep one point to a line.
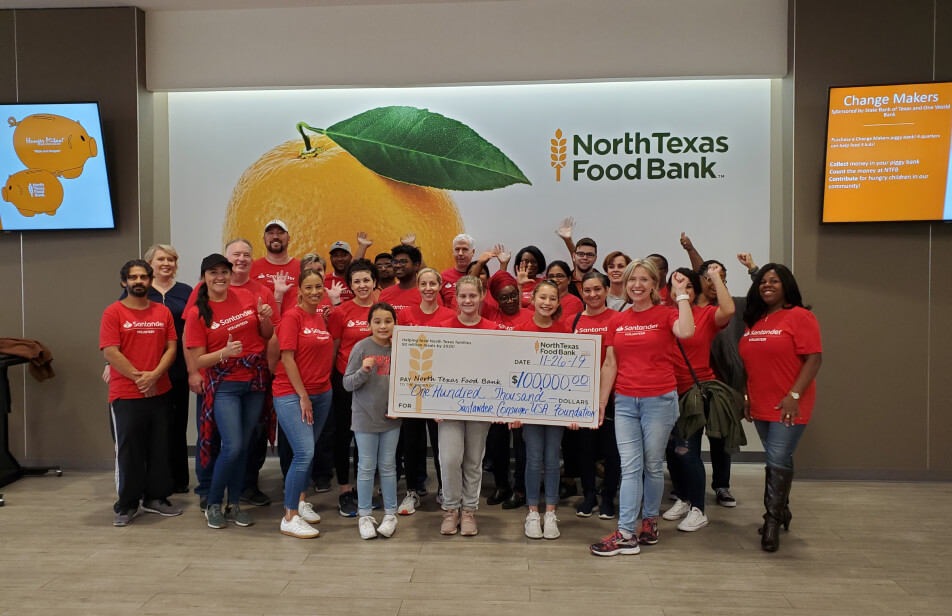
33 191
54 143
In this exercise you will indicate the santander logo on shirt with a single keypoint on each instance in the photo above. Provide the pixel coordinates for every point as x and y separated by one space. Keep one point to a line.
361 324
307 331
235 321
592 330
763 333
271 277
146 326
638 329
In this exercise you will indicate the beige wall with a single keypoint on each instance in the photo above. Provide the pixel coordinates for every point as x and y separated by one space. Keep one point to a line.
68 277
880 291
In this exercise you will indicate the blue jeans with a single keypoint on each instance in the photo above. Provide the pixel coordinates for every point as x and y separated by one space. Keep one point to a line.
779 442
542 450
377 451
237 410
642 426
302 438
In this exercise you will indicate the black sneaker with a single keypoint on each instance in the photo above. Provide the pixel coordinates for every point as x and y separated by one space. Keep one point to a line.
515 501
347 505
323 484
725 498
421 490
606 511
254 496
588 505
203 503
498 497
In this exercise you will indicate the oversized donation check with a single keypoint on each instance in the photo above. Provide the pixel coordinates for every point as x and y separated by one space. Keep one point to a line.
488 375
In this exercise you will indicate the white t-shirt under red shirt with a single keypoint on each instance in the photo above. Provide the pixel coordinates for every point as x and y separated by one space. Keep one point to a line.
142 337
642 342
307 335
773 351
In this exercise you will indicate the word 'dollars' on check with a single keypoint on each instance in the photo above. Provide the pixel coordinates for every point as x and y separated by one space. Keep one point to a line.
486 375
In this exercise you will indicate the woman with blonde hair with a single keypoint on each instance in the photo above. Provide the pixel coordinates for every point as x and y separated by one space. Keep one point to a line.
639 364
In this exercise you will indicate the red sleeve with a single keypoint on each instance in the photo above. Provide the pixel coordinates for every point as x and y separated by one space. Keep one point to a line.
288 331
109 328
195 333
192 297
806 336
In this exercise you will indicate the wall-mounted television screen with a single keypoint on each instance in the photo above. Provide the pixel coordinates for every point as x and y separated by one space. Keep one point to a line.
887 153
52 158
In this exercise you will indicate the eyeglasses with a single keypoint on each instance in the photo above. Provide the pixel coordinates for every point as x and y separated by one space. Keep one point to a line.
585 255
556 276
508 298
400 262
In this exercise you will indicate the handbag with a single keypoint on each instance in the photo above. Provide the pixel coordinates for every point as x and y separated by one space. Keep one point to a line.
705 395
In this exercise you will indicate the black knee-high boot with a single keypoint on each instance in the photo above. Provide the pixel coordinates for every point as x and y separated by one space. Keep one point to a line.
776 491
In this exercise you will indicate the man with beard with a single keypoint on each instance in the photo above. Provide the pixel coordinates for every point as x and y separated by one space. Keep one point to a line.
137 338
463 249
278 270
406 263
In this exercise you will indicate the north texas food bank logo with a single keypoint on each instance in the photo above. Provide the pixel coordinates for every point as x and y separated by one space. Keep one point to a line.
638 155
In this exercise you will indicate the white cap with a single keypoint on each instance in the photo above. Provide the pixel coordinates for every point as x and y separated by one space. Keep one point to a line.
277 222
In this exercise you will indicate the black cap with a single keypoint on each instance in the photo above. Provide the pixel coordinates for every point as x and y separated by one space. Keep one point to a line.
213 260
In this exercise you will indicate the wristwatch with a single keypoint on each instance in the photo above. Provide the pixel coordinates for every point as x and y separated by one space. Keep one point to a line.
794 395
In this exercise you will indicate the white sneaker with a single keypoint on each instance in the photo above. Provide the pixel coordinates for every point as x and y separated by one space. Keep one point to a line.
678 510
696 520
307 513
388 525
410 502
297 527
366 524
533 525
551 525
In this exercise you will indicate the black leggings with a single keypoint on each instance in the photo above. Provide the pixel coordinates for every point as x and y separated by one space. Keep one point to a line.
499 452
343 435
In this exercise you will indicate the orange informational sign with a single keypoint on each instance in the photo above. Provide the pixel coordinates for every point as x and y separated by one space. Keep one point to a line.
888 153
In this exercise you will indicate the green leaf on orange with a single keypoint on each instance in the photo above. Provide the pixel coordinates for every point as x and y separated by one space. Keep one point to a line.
421 147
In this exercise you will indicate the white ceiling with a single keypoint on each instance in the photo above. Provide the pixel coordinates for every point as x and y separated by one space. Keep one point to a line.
208 5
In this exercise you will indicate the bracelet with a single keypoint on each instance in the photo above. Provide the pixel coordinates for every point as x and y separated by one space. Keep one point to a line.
683 296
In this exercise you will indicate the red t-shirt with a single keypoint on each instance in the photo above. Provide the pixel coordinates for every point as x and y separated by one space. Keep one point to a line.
400 298
504 321
330 278
256 289
412 315
666 298
448 290
529 325
237 316
527 290
600 324
263 272
348 323
484 323
306 334
642 343
698 349
773 351
142 337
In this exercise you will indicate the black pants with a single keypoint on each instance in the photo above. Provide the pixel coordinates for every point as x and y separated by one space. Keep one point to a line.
178 434
720 464
343 436
571 453
258 447
413 442
600 444
499 452
140 431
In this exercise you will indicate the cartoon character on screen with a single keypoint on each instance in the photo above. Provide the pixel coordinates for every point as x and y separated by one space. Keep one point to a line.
34 191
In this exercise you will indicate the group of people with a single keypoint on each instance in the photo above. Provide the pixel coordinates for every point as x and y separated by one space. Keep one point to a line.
280 347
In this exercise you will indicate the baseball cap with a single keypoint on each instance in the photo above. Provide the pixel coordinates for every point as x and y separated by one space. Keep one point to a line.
277 222
340 246
214 260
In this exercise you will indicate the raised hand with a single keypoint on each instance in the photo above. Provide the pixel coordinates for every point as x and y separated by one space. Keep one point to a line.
522 274
503 255
746 260
686 242
679 284
334 291
565 228
409 239
363 240
714 270
281 284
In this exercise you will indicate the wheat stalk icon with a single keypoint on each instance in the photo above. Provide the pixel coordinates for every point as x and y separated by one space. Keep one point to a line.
558 154
421 374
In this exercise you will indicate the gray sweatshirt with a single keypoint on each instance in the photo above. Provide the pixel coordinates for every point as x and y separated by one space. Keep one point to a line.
371 389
